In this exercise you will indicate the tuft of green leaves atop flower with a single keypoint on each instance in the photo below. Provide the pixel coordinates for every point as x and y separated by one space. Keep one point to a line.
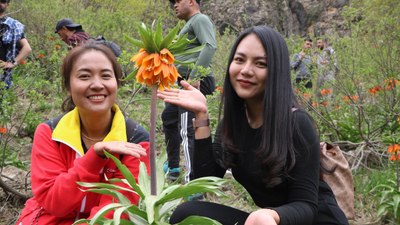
152 209
155 61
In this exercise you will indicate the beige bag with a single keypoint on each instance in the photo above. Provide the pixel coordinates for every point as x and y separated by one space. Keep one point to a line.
335 171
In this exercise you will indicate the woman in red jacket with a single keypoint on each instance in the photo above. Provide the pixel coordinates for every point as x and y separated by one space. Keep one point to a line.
71 148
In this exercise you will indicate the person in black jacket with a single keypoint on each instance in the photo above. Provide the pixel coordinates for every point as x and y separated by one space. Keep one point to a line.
264 137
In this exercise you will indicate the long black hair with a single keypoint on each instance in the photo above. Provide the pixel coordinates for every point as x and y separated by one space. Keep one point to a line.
276 149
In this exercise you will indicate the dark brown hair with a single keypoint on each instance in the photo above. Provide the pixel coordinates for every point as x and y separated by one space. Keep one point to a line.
73 56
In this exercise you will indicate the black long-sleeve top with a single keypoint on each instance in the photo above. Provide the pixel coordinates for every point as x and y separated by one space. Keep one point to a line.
296 198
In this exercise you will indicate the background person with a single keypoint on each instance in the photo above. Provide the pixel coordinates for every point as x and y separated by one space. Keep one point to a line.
14 47
72 151
326 67
177 122
71 33
302 64
272 149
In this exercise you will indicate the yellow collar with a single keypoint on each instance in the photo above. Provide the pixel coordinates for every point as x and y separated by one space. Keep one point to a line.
68 129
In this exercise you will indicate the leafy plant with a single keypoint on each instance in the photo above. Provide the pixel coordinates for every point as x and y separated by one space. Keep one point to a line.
389 204
152 209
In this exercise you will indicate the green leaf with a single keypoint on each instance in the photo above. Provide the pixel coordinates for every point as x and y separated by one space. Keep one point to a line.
396 202
195 220
144 179
162 157
146 38
151 213
158 35
134 41
169 38
167 207
190 51
103 211
121 198
131 76
126 173
139 217
200 185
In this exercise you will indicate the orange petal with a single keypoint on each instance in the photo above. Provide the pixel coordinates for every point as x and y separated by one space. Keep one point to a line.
167 56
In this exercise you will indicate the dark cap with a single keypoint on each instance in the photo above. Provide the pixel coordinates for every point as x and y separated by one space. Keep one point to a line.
173 1
66 22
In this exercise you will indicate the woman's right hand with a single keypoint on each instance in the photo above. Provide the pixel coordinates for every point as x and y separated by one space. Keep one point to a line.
119 147
189 98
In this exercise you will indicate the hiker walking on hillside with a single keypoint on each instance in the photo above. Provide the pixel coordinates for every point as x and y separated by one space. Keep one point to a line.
14 47
71 33
271 149
74 35
70 148
177 122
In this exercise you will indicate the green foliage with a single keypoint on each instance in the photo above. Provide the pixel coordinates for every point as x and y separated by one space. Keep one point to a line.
366 75
389 203
152 209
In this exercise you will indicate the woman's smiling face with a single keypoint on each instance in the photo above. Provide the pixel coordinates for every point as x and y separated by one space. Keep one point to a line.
93 85
248 70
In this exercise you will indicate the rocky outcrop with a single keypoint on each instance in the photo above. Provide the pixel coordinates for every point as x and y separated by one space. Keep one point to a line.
301 17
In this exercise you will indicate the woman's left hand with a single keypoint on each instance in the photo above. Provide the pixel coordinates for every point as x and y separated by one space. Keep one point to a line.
263 217
119 147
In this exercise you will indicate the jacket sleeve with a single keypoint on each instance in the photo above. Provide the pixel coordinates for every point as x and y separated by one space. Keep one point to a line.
52 179
302 204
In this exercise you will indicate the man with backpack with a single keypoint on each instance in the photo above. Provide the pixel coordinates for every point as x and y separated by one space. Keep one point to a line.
73 35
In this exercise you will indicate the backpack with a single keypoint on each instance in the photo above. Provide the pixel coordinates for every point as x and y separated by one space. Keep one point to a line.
134 132
112 45
336 172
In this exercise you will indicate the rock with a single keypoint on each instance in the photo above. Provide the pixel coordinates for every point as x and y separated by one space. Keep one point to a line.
301 17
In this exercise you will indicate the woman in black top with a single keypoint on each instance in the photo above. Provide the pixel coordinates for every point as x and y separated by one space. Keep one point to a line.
267 141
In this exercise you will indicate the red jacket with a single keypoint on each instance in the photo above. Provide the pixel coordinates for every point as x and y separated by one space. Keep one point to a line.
56 166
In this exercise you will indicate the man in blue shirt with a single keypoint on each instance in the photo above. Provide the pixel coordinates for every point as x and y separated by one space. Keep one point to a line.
14 47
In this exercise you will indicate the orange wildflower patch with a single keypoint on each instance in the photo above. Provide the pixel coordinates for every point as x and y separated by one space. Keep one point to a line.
393 149
3 130
22 62
307 95
314 104
40 56
391 83
155 68
375 90
346 99
354 97
219 89
57 47
325 92
324 103
394 152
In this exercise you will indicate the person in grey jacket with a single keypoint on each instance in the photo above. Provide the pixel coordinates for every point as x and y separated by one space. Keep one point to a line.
302 64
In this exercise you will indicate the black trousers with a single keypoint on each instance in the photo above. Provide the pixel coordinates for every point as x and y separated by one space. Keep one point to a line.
178 128
329 212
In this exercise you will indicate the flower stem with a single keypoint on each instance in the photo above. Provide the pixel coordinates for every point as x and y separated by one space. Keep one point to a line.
153 112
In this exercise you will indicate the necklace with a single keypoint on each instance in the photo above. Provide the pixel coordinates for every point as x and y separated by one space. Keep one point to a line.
92 139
